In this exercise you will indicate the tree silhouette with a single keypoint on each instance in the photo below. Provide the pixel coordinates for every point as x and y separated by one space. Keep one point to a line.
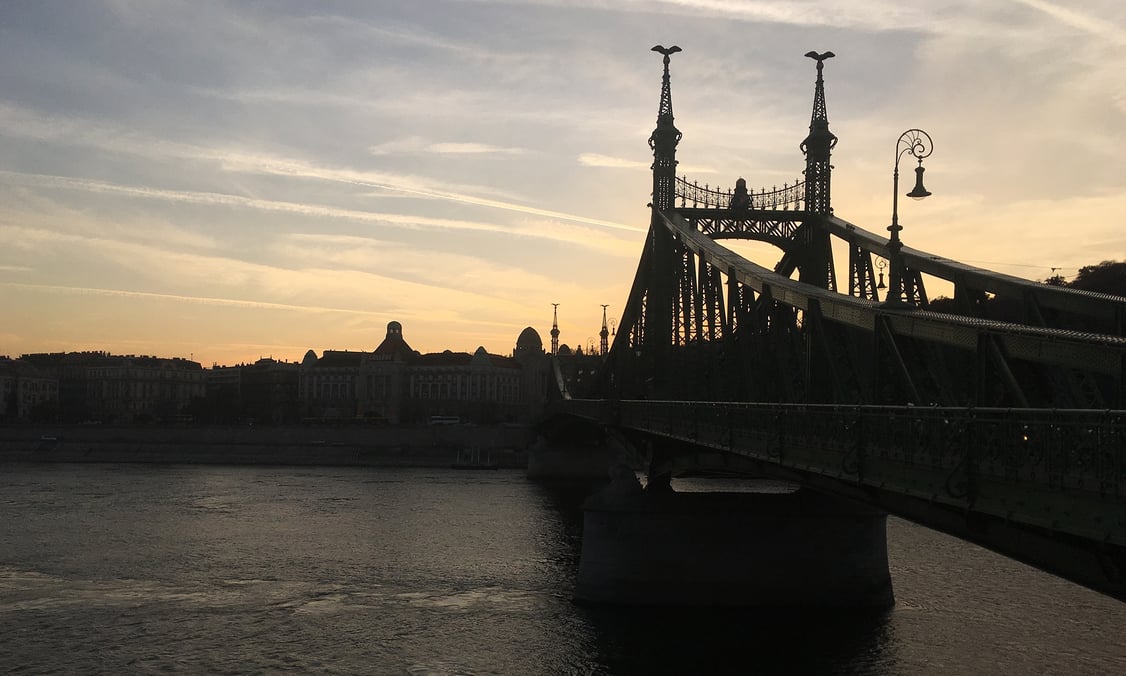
1106 277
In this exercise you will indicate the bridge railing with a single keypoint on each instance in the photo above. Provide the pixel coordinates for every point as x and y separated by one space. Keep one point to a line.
787 198
1059 469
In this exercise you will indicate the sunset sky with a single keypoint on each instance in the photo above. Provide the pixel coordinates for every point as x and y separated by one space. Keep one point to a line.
229 181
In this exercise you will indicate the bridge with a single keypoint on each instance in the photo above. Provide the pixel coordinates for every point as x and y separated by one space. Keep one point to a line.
996 416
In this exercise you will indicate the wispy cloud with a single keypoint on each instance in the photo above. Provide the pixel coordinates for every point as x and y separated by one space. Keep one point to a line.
418 145
596 160
1087 22
871 14
194 300
472 149
536 229
12 119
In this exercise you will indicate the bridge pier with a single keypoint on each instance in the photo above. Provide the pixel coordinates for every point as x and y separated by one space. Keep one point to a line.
795 550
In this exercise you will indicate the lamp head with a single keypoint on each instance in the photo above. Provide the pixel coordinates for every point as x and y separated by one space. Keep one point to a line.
918 192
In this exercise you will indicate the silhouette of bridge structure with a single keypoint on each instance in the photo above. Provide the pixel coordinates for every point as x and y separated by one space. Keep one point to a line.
999 419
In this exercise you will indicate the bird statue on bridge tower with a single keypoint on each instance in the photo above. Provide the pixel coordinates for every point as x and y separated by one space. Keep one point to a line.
604 335
818 144
664 139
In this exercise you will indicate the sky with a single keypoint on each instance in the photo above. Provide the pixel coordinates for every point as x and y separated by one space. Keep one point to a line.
225 181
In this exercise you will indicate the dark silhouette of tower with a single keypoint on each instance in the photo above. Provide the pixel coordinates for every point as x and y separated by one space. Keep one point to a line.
817 145
816 250
663 141
655 324
555 329
604 334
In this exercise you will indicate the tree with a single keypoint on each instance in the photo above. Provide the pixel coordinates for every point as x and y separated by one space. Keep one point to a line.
1106 277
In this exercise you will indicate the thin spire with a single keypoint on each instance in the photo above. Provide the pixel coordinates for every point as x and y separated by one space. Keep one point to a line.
664 139
818 145
604 334
555 329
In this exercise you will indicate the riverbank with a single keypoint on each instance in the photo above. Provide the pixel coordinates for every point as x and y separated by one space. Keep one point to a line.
324 445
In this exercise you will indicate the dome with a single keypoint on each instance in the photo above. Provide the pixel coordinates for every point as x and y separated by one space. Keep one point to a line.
481 357
529 340
310 358
393 344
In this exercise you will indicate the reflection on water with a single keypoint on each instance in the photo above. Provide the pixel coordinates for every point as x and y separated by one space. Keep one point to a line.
153 568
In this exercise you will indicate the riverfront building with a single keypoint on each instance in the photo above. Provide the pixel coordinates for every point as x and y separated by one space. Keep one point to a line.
265 392
396 384
98 386
392 384
26 392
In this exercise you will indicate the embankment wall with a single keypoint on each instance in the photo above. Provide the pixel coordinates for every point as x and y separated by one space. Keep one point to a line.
298 445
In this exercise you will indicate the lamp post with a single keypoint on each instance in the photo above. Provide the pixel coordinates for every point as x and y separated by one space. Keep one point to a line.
918 143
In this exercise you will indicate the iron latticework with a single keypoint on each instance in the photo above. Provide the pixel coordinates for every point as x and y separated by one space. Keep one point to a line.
818 146
701 323
664 139
787 198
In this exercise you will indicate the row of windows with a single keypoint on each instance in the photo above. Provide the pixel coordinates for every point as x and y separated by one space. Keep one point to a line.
32 385
471 388
151 374
121 389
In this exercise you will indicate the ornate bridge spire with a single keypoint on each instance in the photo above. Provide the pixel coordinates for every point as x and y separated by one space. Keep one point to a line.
604 334
663 141
818 145
554 329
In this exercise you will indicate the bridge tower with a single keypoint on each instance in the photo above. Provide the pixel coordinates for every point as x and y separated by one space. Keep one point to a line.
657 320
554 329
818 145
663 141
817 264
604 334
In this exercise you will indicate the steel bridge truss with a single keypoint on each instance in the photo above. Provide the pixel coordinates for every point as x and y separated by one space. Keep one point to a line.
723 328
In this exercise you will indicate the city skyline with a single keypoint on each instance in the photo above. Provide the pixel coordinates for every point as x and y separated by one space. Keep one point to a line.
236 182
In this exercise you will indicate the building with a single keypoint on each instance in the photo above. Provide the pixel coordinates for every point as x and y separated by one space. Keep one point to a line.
397 384
265 391
27 392
98 386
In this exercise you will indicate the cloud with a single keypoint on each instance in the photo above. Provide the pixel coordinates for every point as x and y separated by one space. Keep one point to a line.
418 145
195 300
472 149
596 160
1084 21
869 14
535 229
12 121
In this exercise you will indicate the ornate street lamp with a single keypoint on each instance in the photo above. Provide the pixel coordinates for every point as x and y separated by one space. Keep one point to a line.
918 143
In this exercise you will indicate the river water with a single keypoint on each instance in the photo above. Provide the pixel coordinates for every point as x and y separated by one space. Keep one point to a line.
219 569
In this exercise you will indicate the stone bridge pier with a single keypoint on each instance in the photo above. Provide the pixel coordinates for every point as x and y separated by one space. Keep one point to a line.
789 550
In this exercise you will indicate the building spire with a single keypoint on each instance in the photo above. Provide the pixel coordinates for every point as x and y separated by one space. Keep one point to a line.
817 146
604 334
555 329
663 141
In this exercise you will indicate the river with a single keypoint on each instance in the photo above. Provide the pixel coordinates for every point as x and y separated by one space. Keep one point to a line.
220 569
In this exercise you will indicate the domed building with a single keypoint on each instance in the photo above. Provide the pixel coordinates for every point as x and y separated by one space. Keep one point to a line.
396 384
528 343
535 365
